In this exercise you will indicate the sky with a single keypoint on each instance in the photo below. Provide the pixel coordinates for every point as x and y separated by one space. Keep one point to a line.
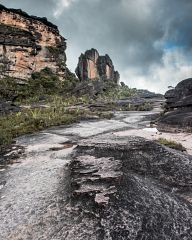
149 41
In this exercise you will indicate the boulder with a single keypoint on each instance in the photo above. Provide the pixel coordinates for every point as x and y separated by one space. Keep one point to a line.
7 107
179 108
181 96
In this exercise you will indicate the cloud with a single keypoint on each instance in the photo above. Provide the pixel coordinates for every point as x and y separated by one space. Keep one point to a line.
176 65
149 41
61 5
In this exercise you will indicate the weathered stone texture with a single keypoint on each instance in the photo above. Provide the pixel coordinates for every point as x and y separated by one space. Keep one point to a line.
29 44
92 66
135 188
179 107
181 95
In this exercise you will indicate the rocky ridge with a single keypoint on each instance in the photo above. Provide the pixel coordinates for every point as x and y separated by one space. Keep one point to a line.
29 44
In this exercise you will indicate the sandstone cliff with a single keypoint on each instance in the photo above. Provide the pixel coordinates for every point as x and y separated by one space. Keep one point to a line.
29 44
92 66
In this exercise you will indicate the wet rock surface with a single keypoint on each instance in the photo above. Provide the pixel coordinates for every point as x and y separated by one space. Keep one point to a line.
85 182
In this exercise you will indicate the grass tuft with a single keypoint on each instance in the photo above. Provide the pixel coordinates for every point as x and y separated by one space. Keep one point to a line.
171 144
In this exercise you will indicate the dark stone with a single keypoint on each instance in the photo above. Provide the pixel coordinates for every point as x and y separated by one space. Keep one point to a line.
133 188
91 88
7 107
181 96
179 103
147 94
15 37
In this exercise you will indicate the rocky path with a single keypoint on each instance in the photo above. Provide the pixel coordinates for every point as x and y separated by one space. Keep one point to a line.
56 192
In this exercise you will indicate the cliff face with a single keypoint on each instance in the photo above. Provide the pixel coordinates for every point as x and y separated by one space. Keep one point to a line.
92 66
29 44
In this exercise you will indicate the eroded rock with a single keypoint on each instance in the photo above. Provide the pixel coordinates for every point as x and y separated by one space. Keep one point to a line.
179 107
133 188
92 66
29 44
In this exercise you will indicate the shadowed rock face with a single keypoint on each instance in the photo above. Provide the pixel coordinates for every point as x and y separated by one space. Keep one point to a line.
181 95
92 66
29 44
179 103
133 189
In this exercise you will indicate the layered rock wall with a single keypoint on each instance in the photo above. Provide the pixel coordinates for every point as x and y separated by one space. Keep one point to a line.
29 44
92 66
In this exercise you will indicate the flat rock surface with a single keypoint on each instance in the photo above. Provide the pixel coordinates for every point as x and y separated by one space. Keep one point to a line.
86 182
147 194
153 134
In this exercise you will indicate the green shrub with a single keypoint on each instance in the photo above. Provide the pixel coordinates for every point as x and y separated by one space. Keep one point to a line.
171 144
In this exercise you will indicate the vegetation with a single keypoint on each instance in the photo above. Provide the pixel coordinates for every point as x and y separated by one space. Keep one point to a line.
31 120
49 100
114 92
55 51
171 144
55 113
44 83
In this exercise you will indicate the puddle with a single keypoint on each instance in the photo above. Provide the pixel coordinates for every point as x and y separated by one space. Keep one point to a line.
152 130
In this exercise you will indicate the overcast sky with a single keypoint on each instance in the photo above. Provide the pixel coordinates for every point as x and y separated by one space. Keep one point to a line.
149 41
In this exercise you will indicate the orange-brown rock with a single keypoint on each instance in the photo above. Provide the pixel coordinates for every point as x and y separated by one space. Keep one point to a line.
92 66
29 44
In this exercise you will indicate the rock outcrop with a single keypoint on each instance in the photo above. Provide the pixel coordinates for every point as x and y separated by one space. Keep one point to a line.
7 107
131 188
92 66
29 44
178 106
181 96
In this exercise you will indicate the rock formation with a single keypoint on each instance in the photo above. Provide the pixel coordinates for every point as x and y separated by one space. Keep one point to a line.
92 66
130 188
29 44
179 106
180 96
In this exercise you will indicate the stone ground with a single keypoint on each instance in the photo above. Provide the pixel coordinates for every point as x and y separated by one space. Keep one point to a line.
153 134
39 197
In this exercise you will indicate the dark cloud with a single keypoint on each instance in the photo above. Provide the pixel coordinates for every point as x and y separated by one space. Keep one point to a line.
143 37
34 7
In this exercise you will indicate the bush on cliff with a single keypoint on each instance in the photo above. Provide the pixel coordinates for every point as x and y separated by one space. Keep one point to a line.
113 91
44 82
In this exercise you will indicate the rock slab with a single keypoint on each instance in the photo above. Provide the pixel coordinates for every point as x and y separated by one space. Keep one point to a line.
133 188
